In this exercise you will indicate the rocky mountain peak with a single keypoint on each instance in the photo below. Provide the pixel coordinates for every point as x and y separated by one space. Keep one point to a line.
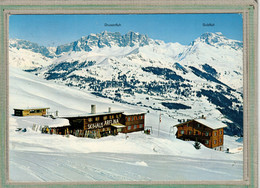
217 40
105 39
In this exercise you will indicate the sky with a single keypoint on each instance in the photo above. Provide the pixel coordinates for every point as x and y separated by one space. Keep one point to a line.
54 30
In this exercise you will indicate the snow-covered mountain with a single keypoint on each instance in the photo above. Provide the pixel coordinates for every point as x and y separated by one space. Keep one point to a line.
27 55
202 78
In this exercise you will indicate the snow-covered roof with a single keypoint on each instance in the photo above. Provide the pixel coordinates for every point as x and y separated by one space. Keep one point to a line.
32 108
54 126
127 113
133 112
96 114
211 123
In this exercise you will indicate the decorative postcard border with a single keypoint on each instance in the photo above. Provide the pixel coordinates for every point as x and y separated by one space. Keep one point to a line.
247 8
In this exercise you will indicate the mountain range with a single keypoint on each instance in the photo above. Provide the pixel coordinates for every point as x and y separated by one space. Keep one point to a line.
182 81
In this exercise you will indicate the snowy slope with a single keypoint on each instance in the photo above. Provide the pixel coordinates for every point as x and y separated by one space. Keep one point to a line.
224 55
28 55
39 157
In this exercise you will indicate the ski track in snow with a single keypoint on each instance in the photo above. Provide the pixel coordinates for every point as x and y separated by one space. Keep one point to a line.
107 167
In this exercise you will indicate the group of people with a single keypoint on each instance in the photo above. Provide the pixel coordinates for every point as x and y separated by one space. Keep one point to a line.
48 130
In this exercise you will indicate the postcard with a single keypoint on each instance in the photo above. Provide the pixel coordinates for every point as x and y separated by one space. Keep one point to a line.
127 98
130 95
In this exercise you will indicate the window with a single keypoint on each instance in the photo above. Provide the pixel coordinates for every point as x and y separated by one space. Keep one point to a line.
129 128
215 133
187 125
135 126
190 132
182 131
215 141
119 115
105 118
113 116
90 119
132 118
206 142
96 118
197 133
206 134
129 119
32 111
220 140
140 125
220 132
198 125
141 117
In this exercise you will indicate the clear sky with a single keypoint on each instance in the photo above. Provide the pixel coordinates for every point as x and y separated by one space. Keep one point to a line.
53 30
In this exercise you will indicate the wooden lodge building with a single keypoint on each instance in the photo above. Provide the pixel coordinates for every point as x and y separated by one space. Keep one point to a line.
96 125
30 111
208 132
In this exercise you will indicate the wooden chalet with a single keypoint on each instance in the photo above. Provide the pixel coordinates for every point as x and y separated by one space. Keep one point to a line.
96 125
30 111
208 132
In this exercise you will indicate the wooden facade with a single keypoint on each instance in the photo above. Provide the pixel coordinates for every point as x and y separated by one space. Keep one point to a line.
97 125
94 125
31 112
133 122
200 130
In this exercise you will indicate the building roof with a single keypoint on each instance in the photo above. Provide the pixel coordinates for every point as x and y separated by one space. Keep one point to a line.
133 112
56 126
32 108
211 123
91 115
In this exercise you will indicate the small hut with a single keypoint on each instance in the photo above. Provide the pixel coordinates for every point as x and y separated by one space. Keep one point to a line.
30 111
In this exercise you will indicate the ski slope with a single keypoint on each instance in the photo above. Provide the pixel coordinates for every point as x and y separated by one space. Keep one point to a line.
133 157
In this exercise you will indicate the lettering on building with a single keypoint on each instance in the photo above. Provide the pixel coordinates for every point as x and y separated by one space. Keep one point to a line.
102 124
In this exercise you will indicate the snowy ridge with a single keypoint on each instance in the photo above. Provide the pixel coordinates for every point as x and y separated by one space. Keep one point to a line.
218 40
104 39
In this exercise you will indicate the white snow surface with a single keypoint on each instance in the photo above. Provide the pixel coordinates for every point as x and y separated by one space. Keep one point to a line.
27 59
38 157
212 123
